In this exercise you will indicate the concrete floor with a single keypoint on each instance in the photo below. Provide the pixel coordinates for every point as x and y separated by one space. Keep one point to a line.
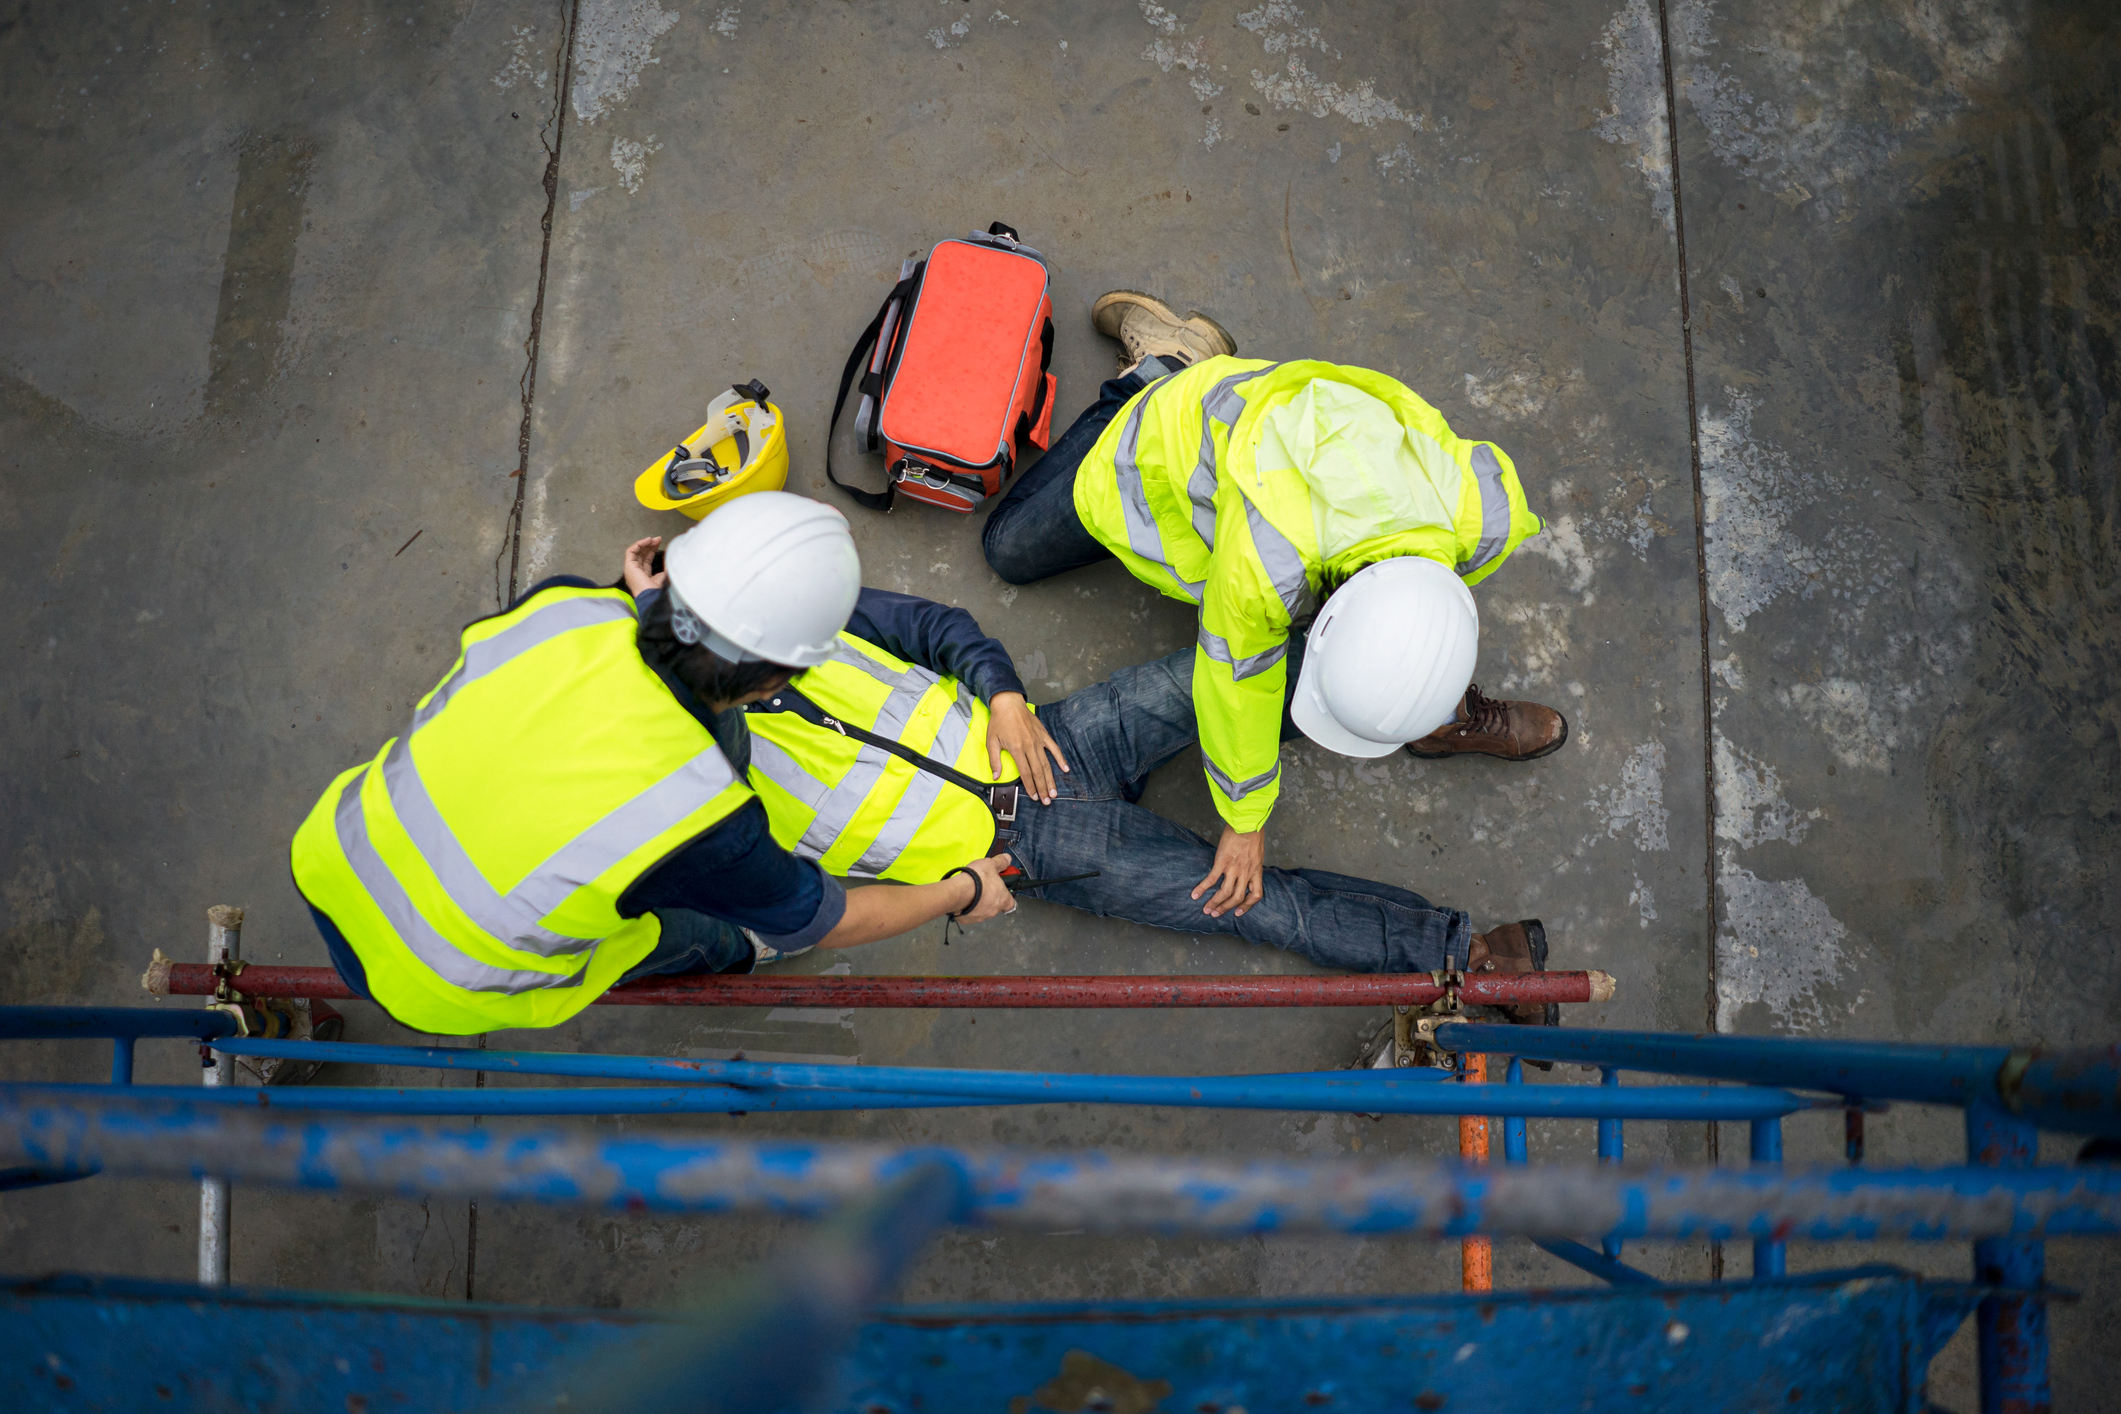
424 239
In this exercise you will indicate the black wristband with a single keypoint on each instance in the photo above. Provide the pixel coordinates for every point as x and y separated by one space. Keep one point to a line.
978 888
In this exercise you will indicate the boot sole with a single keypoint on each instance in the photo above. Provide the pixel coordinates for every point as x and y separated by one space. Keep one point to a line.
1105 315
1548 750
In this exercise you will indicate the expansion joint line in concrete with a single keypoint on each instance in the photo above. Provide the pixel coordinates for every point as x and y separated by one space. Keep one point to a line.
553 134
1701 563
512 535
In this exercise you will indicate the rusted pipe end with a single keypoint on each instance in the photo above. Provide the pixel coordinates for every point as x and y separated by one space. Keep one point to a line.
156 978
1601 986
223 915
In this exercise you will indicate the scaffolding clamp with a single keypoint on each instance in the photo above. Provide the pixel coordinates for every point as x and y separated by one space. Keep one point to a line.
225 974
1414 1028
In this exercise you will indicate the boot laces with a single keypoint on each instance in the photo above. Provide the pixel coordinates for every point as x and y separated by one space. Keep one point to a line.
1483 713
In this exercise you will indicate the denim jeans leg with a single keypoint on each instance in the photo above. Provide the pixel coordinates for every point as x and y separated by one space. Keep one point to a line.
1149 866
693 942
1034 533
1114 733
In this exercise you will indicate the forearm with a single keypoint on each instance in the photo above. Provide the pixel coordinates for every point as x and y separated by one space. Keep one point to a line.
880 911
939 637
1240 740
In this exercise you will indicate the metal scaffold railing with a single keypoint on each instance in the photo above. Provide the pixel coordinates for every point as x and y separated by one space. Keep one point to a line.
334 1138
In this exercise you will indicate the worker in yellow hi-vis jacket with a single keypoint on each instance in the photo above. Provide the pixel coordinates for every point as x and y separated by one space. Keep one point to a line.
1280 498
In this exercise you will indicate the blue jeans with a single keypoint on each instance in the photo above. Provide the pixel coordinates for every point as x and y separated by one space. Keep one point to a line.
693 942
1114 735
1035 533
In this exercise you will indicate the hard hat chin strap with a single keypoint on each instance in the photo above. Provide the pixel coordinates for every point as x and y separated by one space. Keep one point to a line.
693 631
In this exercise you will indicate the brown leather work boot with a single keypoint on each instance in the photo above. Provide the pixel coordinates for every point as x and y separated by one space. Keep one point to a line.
1514 731
1514 948
1145 325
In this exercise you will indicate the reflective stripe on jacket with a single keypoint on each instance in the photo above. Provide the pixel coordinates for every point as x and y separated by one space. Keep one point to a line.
1179 489
475 866
856 809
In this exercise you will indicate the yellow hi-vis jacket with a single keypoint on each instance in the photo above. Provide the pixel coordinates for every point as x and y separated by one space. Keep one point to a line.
475 866
856 809
1245 487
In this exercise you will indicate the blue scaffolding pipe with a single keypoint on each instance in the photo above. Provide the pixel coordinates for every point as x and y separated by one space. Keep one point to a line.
1612 1148
141 1136
1770 1259
1354 1092
524 1102
58 1023
943 1089
2075 1091
2010 1330
763 1339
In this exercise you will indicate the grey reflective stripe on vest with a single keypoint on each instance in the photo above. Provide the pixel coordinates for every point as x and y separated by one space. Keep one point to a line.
773 762
538 628
1218 648
835 806
1494 509
1237 790
908 687
1143 535
509 919
1285 565
1222 403
905 821
430 947
515 919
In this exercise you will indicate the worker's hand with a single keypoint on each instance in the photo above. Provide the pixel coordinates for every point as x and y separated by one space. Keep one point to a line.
1240 858
639 556
994 895
1015 728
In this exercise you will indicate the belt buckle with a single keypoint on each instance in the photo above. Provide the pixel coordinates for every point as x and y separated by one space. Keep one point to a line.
1003 800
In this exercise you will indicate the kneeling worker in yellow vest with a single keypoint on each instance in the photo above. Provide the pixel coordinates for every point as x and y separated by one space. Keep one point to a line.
909 748
1281 497
560 815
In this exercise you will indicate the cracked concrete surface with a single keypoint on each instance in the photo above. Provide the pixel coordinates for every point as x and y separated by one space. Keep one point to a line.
488 282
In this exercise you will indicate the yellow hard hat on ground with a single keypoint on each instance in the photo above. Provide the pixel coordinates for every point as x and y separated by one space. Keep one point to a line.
741 448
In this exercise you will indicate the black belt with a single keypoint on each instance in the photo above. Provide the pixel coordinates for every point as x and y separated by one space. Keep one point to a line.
1001 799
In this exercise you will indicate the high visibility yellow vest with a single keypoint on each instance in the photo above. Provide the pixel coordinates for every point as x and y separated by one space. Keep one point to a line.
856 809
1178 489
475 866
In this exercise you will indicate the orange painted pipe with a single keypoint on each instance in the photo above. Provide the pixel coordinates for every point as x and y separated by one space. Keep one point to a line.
1476 1255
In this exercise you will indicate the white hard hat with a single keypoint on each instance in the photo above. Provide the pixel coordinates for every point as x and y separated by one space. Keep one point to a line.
1388 659
769 577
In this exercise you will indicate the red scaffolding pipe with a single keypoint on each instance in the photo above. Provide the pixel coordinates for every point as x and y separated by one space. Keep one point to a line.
192 979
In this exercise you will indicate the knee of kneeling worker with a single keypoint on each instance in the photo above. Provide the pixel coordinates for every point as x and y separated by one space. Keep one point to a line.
1007 559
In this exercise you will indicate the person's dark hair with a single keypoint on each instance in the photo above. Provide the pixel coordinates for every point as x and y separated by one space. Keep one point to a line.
711 677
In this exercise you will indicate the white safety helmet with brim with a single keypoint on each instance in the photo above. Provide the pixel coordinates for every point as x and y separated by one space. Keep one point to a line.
770 577
1388 658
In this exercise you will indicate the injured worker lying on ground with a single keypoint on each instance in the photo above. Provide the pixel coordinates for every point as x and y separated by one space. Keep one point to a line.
923 675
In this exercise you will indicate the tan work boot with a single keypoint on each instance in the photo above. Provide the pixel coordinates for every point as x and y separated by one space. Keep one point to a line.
1514 731
1145 325
1514 948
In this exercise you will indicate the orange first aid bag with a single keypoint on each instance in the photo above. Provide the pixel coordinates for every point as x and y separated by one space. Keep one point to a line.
953 373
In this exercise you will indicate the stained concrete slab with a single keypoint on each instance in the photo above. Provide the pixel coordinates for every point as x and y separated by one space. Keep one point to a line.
1406 217
349 246
269 278
1899 226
